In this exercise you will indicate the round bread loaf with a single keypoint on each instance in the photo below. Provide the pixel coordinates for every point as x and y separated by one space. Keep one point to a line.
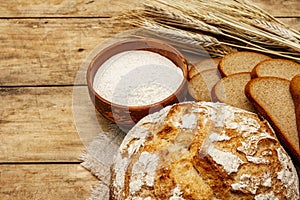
202 150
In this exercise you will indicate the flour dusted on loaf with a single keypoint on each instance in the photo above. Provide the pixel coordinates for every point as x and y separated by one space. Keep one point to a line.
202 150
143 172
137 77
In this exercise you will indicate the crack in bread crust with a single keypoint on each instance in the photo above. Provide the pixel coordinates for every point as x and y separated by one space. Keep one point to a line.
225 153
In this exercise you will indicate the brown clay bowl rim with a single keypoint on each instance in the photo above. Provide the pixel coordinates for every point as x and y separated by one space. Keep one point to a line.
120 43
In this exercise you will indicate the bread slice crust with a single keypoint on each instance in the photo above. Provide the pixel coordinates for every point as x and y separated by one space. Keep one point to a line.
280 68
289 139
242 61
230 90
295 92
200 86
211 63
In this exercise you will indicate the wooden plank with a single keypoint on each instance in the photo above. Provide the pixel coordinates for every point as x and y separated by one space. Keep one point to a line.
46 124
293 23
280 8
64 8
49 51
36 124
52 51
60 181
105 8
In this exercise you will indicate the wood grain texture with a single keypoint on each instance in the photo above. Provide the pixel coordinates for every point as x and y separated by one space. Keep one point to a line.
65 8
47 124
49 182
279 8
37 125
293 22
49 51
52 51
107 8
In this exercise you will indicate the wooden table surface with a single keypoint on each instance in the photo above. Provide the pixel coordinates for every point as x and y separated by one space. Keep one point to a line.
43 44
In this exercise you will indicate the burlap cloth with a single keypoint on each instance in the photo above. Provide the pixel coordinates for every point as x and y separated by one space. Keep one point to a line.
99 156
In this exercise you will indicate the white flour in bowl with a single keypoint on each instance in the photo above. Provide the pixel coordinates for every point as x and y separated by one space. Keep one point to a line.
137 77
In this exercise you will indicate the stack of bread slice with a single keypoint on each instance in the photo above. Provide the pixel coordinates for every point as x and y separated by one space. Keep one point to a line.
202 78
257 83
295 91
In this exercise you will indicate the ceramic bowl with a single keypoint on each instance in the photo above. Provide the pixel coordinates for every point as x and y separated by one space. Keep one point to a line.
128 116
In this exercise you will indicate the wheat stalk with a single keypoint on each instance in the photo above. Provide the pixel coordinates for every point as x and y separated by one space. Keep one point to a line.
181 35
170 17
231 23
259 35
277 29
230 19
208 43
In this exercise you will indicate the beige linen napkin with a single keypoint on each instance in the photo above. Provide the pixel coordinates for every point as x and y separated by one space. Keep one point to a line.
98 157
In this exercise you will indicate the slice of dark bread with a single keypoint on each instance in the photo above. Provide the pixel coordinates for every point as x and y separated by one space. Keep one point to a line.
237 62
295 92
272 99
280 68
211 63
201 84
230 90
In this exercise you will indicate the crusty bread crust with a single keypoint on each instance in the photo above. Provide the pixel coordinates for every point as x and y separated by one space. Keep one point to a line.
295 92
200 86
202 150
280 68
242 61
211 63
230 90
284 137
